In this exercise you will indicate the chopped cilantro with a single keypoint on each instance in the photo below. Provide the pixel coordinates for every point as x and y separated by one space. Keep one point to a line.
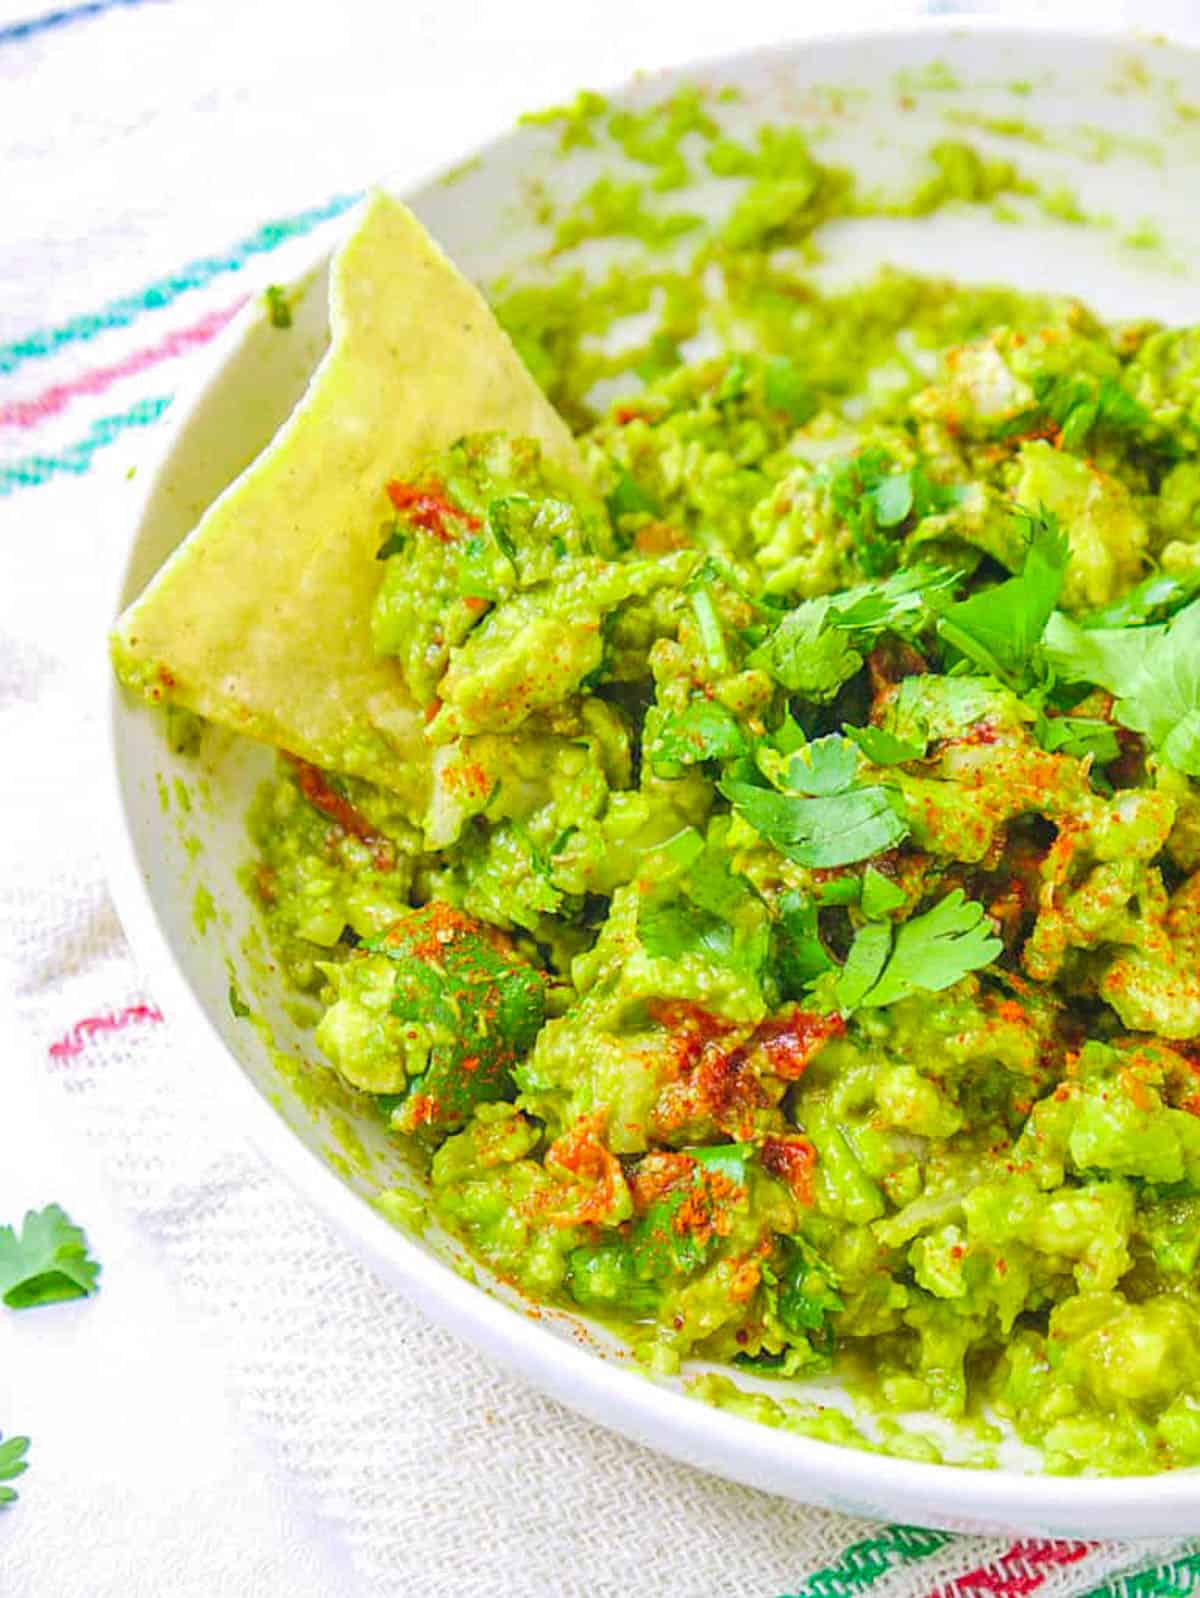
671 931
13 1463
703 730
701 916
818 814
904 603
447 967
798 955
927 954
46 1262
871 497
1079 737
661 1242
813 650
807 1294
883 748
1154 671
879 895
1154 599
998 628
278 309
834 830
807 656
1076 406
825 767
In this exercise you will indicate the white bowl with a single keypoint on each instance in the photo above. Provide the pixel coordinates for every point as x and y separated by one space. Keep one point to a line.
158 857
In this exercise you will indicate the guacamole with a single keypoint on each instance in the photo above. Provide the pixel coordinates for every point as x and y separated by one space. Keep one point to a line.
791 954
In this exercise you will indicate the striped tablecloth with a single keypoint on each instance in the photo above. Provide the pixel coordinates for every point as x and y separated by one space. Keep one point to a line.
298 1428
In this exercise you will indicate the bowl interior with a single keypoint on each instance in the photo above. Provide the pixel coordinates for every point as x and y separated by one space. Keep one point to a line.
1115 123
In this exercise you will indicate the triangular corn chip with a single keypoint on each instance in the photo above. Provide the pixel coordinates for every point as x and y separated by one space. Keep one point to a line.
261 619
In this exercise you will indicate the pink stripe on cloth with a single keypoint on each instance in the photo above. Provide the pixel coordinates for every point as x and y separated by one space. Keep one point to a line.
80 1035
1019 1571
55 399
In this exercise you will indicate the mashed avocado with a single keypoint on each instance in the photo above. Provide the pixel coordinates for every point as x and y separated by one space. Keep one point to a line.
797 961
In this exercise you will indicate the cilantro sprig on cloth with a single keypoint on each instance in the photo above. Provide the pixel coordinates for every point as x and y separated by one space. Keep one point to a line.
13 1463
46 1262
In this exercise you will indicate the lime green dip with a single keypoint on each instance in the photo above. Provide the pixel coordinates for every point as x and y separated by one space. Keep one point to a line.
798 965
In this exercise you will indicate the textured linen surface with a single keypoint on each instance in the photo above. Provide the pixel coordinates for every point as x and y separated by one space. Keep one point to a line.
160 162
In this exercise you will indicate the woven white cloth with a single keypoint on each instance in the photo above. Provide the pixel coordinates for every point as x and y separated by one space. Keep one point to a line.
244 1409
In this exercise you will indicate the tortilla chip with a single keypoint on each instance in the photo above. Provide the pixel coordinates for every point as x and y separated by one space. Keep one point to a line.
261 619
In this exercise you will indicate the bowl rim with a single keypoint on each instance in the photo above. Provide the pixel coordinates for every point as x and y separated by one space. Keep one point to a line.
613 1393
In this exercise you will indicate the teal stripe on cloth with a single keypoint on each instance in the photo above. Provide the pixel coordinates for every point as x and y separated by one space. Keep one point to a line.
866 1562
30 470
120 313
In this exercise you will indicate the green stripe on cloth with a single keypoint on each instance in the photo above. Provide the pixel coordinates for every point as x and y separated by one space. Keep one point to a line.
30 470
1176 1579
865 1562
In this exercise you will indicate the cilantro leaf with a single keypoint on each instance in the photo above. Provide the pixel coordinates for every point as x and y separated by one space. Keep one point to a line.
12 1464
798 955
675 929
1109 657
823 767
604 1275
448 968
1076 406
708 625
807 1293
807 656
1078 736
998 628
661 1242
872 498
709 910
1163 700
1154 671
883 748
809 652
1153 599
879 895
906 602
714 885
834 830
46 1262
893 498
703 730
928 953
864 965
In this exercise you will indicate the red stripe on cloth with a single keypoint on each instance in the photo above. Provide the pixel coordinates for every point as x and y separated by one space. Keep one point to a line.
51 401
1019 1571
81 1034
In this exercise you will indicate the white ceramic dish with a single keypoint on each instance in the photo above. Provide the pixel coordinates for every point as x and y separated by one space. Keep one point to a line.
1138 92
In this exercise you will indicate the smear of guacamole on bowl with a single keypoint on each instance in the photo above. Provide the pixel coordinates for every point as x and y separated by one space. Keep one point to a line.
798 962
